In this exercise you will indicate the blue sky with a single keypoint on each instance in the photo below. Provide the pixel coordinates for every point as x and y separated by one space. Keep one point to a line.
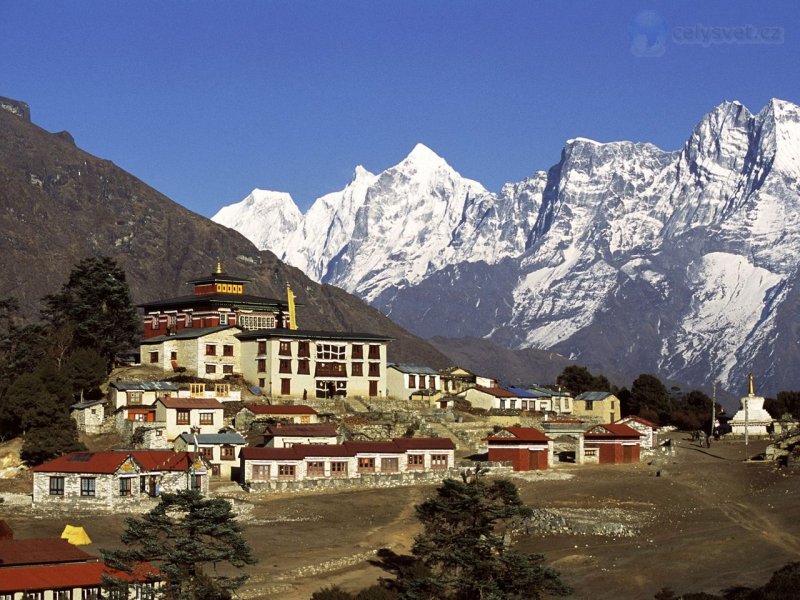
207 100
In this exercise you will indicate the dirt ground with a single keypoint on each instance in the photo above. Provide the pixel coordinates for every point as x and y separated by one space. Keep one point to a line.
707 521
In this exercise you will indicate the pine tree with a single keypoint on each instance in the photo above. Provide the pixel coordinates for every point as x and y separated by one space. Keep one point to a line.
464 551
96 304
183 535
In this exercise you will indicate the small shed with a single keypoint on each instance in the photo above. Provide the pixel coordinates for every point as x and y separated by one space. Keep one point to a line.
612 443
526 448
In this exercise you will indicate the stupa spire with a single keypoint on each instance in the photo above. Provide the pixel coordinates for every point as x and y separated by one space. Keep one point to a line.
219 266
752 389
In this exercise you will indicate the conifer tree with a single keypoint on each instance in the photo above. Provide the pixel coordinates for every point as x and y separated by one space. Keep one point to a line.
183 536
96 304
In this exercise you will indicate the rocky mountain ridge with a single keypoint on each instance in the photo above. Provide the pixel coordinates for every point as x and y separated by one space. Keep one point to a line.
59 204
622 255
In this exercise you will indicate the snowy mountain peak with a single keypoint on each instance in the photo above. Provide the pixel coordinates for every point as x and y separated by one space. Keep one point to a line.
361 173
264 217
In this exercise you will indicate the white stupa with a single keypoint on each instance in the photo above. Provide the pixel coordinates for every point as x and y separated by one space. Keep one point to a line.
751 417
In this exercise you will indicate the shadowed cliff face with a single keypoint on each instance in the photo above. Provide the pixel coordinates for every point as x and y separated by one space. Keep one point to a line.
59 204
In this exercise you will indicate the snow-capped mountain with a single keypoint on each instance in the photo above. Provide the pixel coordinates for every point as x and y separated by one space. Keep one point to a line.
265 218
682 263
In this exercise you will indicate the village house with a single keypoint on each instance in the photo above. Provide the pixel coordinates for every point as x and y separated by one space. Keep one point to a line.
456 379
597 406
210 352
526 448
490 398
115 479
285 436
555 401
139 393
288 413
89 415
180 415
407 381
54 569
647 430
221 450
612 443
345 461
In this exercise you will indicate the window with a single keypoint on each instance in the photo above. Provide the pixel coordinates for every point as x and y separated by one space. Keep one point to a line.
144 591
153 357
187 320
257 321
373 389
286 387
416 462
90 593
227 369
262 382
261 365
173 355
412 381
284 366
227 350
154 323
56 486
34 596
182 416
374 351
502 403
262 347
315 468
172 321
125 487
208 453
206 418
589 404
210 369
330 389
260 472
390 465
358 351
211 349
286 471
303 349
135 397
285 348
197 482
305 419
62 594
339 469
143 484
222 390
374 369
524 405
366 464
87 486
358 369
330 352
228 453
512 403
197 389
303 367
438 461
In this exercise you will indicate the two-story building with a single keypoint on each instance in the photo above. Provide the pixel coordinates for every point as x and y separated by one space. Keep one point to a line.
221 450
300 414
406 381
315 364
180 415
597 406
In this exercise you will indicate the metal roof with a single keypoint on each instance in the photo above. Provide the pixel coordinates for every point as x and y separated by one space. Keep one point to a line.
213 439
412 369
187 334
147 386
592 396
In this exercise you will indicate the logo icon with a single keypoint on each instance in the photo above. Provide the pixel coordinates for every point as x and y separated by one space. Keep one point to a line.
648 33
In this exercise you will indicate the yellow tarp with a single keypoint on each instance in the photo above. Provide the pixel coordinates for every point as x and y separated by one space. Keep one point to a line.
75 536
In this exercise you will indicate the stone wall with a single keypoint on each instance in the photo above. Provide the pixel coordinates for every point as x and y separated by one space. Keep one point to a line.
364 481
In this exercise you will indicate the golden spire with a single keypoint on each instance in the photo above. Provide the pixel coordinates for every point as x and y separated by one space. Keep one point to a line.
219 266
290 304
752 390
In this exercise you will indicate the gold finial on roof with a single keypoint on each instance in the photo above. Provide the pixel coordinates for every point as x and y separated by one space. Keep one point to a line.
752 390
219 266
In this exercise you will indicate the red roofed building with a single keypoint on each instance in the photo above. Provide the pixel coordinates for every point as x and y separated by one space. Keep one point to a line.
52 568
115 479
352 459
647 429
526 448
283 436
612 443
